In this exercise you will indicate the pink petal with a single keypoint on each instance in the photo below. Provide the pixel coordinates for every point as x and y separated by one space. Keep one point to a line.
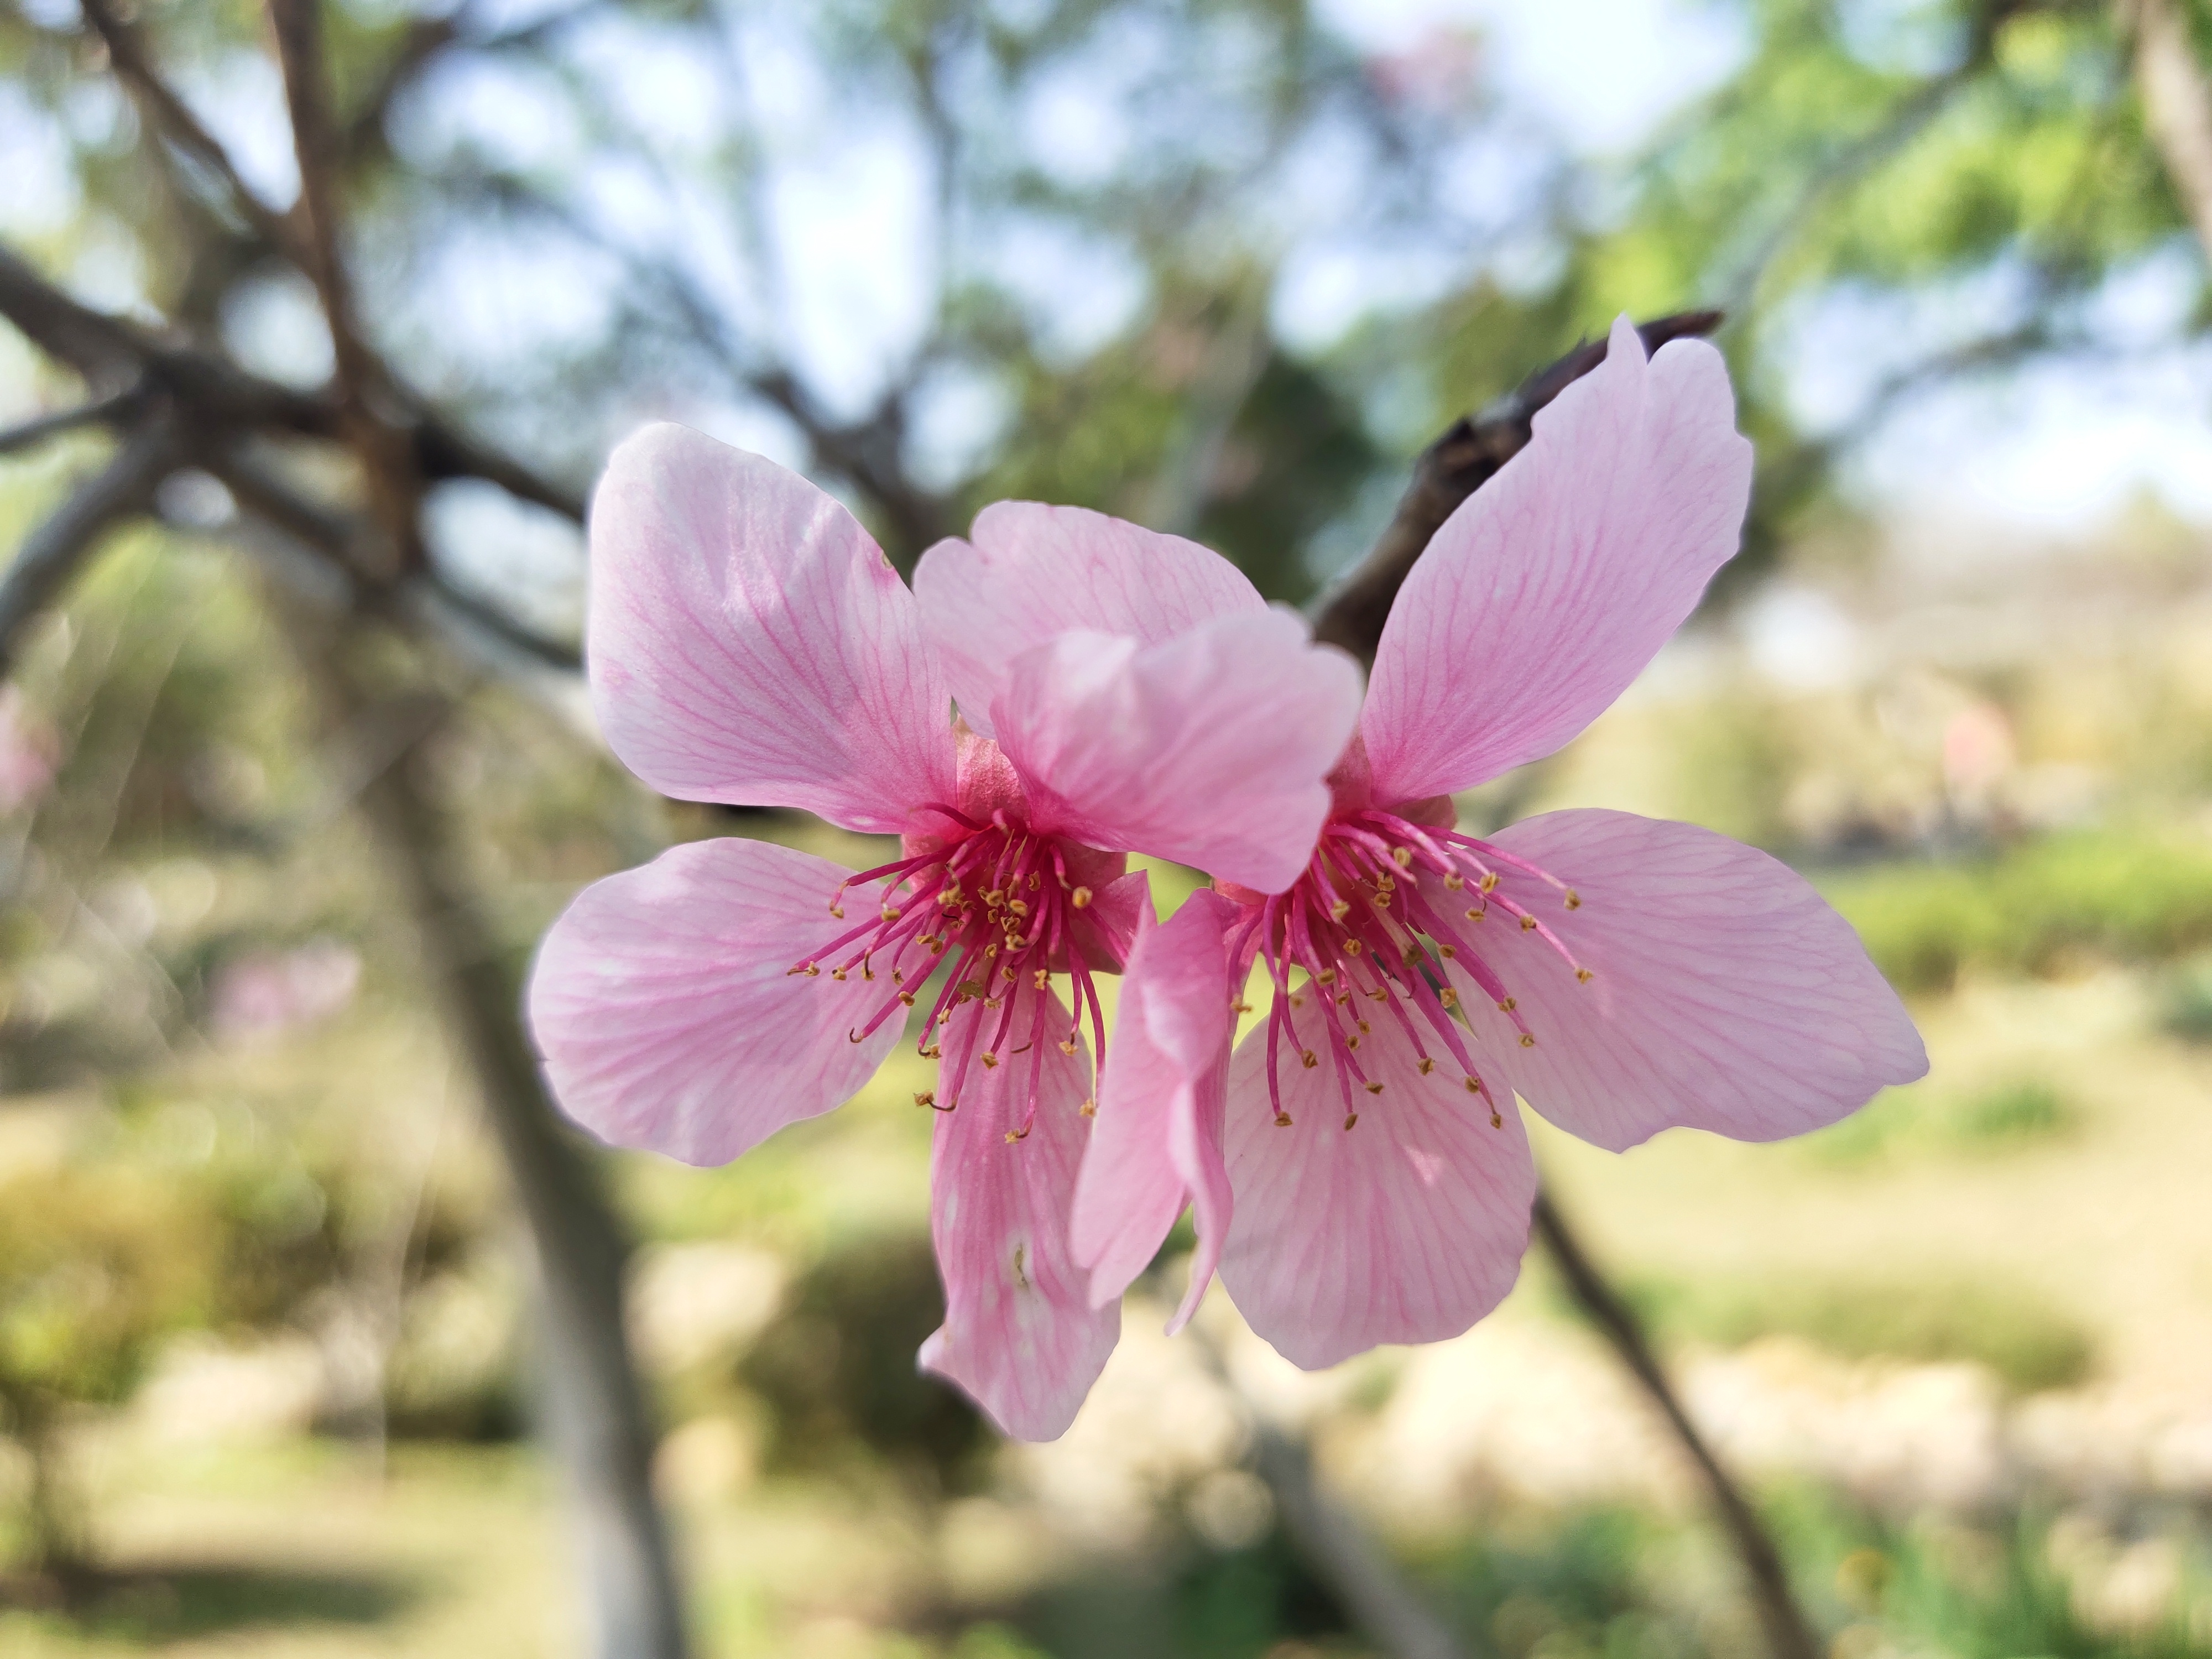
1549 589
1019 1333
664 1005
1407 1228
748 642
1724 994
1157 1139
1210 749
1029 573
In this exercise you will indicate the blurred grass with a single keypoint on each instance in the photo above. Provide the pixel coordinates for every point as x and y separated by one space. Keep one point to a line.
2129 894
2017 1334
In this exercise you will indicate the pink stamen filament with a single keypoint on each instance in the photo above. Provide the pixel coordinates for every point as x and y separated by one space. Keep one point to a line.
1361 927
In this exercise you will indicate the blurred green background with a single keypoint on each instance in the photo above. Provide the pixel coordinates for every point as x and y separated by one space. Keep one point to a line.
268 1370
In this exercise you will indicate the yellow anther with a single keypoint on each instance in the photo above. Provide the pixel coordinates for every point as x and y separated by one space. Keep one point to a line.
1068 1047
890 913
1381 901
907 997
993 898
1344 998
1282 1120
1448 996
1574 899
1022 1133
1477 915
1454 881
994 1003
1374 1088
1079 898
838 911
1296 1000
1384 884
1352 947
867 972
1583 974
1327 977
1528 924
1489 883
1041 978
1351 1043
1351 1118
813 972
1496 1122
1474 1085
1089 1109
1527 1039
1402 856
1340 910
990 951
837 973
1018 907
1365 1027
1507 1004
1447 953
971 987
1033 881
927 1097
932 1052
898 976
1380 993
1426 1064
1308 1059
1240 1006
989 1061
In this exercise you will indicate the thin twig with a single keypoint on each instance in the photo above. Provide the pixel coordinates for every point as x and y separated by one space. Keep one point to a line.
37 430
1467 456
173 115
2177 103
395 488
1787 1631
54 552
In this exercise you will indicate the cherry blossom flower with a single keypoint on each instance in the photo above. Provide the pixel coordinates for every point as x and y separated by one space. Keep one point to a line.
1119 691
1359 1170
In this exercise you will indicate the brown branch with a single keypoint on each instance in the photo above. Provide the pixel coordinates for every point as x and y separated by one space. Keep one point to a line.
2177 103
395 488
1788 1632
29 435
173 115
1467 456
54 552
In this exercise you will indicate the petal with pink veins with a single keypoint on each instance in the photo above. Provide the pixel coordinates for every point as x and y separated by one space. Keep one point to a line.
1029 573
748 642
1156 1143
1724 994
1553 585
663 1002
1406 1228
1019 1334
1210 749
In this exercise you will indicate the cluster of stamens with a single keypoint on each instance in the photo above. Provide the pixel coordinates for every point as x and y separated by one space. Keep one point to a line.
994 902
1372 938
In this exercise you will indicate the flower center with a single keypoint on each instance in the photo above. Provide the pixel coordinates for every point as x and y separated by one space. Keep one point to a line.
1381 909
995 902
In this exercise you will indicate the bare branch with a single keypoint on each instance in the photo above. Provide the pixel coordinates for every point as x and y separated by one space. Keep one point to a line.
2177 103
1467 456
171 114
1788 1632
37 430
57 548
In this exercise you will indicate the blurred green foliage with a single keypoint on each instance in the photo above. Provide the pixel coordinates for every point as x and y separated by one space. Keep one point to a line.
2124 894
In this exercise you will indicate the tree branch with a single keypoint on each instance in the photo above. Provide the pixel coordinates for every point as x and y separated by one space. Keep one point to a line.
1467 456
54 552
30 434
2177 103
1788 1632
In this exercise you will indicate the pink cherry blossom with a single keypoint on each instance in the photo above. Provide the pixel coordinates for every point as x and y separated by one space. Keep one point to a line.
1119 691
1358 1168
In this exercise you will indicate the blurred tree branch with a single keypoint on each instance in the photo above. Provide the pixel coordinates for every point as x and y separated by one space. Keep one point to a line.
54 552
2177 103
